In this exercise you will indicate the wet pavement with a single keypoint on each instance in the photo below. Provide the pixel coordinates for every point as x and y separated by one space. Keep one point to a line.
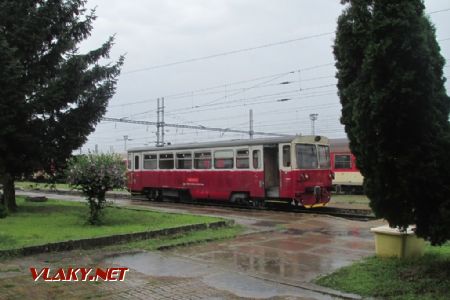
277 258
214 277
297 252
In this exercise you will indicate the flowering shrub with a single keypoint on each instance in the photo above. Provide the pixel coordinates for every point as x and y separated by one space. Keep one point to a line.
94 175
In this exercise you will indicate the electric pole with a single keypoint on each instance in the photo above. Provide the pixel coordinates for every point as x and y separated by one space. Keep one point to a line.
251 132
313 118
160 123
125 140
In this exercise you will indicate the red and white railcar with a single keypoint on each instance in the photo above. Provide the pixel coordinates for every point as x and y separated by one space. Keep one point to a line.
293 169
343 163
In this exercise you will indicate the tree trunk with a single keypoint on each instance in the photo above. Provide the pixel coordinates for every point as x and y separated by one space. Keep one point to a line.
9 193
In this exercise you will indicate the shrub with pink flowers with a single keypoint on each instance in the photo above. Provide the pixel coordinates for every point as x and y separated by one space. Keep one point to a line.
94 175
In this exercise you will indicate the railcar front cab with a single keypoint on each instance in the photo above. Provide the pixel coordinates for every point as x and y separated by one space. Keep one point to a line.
305 175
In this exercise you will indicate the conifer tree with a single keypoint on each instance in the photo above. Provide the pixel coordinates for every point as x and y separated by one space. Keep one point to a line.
51 96
396 110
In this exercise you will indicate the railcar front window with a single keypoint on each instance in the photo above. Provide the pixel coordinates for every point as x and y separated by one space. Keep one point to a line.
306 156
324 157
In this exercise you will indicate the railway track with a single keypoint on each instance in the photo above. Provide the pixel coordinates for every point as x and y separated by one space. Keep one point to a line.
350 214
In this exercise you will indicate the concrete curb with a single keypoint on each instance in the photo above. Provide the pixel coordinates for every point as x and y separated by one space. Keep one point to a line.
112 239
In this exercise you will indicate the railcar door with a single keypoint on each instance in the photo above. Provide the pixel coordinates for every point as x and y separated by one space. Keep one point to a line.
137 176
271 171
130 171
286 185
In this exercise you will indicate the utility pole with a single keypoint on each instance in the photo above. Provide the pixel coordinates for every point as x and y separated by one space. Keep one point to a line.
125 139
313 118
160 123
251 132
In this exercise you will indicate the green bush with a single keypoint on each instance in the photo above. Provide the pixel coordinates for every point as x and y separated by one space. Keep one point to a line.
94 175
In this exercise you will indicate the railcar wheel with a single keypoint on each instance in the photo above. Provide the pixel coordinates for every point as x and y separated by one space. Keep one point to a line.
159 196
150 194
184 196
258 203
240 199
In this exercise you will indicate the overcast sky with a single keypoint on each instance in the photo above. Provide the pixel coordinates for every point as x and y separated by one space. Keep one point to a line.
282 83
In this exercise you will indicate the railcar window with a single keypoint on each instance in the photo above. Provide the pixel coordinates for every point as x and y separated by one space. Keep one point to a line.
223 159
242 159
150 161
130 157
286 156
256 155
306 156
324 157
166 161
184 160
136 162
342 161
202 160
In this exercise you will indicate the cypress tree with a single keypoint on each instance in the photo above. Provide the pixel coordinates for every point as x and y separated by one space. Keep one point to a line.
51 96
395 110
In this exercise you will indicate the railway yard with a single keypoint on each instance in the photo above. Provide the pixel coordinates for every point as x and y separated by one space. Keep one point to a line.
277 256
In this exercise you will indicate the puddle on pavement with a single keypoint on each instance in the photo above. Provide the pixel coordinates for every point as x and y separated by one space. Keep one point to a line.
268 223
158 265
245 286
358 233
155 264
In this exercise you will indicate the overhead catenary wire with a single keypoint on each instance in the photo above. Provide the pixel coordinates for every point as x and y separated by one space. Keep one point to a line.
231 52
191 126
191 93
439 11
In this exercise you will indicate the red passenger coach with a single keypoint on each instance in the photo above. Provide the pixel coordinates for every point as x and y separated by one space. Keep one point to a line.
293 169
347 179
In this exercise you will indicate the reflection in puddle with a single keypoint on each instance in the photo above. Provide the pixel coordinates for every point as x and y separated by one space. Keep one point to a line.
158 265
155 264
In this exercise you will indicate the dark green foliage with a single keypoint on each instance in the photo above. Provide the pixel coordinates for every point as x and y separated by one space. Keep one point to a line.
51 96
395 110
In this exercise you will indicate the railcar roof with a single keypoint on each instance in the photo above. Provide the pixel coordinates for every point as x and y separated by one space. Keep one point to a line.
339 145
229 143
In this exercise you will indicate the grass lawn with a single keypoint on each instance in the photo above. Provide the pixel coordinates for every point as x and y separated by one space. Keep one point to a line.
350 199
40 223
180 239
390 278
30 185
